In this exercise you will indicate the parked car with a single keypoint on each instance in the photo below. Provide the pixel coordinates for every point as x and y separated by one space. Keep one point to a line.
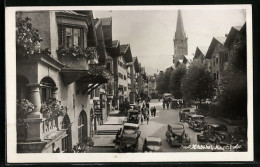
152 144
197 122
127 140
182 114
218 134
176 135
133 116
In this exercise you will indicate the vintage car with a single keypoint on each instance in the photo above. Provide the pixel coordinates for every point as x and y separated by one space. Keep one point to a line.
218 134
197 122
176 136
152 144
127 140
135 107
182 114
133 116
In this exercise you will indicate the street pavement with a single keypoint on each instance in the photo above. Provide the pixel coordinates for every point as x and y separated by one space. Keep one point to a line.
157 127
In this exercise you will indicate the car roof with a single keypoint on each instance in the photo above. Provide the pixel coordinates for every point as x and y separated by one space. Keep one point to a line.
153 138
176 125
131 124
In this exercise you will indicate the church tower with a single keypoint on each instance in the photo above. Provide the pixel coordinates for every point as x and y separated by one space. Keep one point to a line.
180 41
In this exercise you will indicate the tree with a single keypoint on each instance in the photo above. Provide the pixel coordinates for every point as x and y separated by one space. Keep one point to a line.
159 82
175 86
164 81
27 37
233 85
197 83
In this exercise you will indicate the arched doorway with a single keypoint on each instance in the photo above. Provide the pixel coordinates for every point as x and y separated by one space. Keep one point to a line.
82 127
66 141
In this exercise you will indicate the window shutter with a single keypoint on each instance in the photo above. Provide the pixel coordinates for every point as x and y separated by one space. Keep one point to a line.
60 37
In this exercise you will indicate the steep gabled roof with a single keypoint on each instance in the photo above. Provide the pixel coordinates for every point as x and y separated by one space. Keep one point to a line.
123 48
214 42
125 51
232 33
106 21
221 39
115 43
200 49
136 64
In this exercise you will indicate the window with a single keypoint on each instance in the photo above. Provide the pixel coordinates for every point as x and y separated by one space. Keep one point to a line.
80 128
73 37
47 87
217 75
213 62
217 60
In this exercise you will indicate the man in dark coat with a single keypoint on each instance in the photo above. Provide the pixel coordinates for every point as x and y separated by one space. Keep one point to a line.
154 111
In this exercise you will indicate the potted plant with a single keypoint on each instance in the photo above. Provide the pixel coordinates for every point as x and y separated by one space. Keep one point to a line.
24 107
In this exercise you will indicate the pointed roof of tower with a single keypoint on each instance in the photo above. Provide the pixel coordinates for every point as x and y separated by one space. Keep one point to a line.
180 33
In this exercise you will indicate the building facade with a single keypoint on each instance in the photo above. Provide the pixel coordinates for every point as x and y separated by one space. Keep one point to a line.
57 79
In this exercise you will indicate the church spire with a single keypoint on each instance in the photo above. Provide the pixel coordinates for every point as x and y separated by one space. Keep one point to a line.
180 41
180 33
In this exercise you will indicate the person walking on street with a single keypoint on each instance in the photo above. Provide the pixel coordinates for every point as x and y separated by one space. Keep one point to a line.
163 105
167 104
142 119
147 119
154 111
151 111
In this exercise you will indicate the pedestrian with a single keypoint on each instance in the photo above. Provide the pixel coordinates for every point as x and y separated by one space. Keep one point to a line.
142 119
154 111
147 105
151 111
147 119
167 104
163 105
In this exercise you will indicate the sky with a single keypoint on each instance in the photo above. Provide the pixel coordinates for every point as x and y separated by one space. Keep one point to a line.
150 33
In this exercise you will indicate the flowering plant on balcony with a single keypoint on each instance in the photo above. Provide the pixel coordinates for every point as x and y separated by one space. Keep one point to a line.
78 52
51 108
23 107
27 37
100 70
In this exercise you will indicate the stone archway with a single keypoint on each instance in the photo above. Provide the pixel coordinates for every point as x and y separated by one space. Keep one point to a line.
82 127
67 141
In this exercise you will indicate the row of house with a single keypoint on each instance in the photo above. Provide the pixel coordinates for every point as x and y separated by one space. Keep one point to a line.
216 56
74 78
